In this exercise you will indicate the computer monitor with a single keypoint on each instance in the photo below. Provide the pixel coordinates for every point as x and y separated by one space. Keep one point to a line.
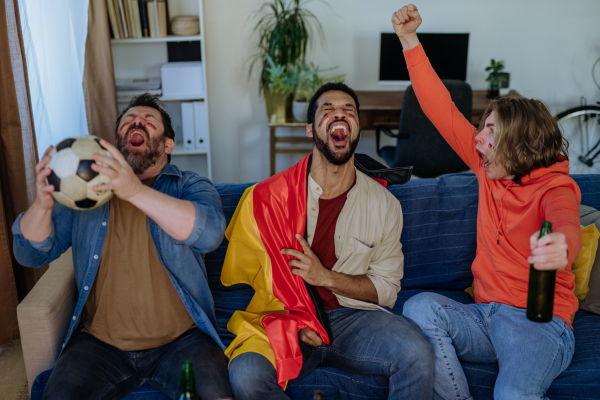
447 53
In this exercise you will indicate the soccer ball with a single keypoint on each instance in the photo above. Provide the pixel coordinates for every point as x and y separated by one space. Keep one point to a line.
72 174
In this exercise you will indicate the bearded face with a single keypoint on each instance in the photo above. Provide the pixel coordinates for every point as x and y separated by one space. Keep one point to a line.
329 148
141 139
336 131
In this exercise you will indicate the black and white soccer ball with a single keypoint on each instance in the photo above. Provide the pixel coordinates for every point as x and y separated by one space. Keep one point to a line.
72 174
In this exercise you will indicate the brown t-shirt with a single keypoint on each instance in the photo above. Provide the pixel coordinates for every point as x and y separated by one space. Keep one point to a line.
133 304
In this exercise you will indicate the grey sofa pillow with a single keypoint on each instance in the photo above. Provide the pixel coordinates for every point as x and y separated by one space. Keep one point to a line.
591 302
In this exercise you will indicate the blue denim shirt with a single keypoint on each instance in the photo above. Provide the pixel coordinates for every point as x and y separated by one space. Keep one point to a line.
86 231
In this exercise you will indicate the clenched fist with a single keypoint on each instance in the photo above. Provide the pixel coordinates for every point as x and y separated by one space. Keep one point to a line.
406 21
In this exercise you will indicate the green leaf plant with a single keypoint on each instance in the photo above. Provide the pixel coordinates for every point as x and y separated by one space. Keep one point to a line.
494 77
285 30
311 79
302 80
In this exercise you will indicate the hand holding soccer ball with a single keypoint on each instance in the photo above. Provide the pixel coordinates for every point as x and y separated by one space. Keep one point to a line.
70 172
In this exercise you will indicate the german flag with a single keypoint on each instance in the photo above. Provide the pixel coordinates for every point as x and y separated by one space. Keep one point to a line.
266 220
267 217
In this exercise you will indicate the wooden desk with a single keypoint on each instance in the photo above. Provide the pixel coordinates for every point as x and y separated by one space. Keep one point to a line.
383 108
376 108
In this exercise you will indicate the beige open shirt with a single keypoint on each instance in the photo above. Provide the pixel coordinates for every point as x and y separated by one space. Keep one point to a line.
367 238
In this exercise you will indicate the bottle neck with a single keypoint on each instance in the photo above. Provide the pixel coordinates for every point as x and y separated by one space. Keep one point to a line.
546 228
188 384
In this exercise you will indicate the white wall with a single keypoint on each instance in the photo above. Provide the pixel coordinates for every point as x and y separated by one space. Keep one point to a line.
548 46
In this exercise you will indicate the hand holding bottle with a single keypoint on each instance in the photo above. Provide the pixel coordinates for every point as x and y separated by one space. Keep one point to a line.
549 252
542 281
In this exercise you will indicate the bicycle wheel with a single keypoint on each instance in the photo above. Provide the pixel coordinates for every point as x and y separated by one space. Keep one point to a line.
581 127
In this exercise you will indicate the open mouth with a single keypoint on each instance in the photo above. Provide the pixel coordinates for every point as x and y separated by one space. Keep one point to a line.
137 137
485 163
339 133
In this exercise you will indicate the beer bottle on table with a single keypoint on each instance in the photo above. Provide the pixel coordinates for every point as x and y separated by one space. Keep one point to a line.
188 384
540 297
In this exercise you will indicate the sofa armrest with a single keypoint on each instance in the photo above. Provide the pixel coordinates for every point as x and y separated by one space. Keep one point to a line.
44 316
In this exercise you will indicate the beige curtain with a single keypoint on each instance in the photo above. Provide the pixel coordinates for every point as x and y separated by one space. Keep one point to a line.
18 156
98 76
18 150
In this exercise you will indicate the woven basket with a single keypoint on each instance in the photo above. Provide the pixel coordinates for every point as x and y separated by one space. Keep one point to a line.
185 26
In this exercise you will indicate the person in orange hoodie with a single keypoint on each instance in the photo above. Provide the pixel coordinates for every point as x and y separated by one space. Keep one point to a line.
520 159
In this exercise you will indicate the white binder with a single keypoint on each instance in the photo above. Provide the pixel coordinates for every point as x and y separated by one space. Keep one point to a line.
201 123
187 125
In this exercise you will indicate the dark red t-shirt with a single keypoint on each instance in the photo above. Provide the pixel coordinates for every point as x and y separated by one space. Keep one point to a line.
323 243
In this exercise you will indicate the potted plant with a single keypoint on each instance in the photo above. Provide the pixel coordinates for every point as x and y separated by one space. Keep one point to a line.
495 77
282 83
309 81
285 30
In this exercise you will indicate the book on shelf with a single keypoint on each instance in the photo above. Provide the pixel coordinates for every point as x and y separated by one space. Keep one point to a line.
152 18
161 12
144 18
118 18
123 20
136 18
112 18
128 18
155 19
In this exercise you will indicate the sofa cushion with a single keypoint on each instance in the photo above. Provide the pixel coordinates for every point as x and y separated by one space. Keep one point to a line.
591 303
439 234
582 265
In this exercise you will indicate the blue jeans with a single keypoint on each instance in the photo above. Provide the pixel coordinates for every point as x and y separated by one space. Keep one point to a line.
91 369
364 342
530 354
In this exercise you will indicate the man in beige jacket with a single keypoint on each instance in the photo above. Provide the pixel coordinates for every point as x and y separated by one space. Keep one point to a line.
352 255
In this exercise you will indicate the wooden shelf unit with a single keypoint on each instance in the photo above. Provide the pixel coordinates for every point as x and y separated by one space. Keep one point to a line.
143 58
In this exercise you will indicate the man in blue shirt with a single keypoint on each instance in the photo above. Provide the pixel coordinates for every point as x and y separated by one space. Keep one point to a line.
144 303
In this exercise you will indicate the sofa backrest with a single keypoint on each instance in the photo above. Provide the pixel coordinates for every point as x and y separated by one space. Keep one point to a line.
439 233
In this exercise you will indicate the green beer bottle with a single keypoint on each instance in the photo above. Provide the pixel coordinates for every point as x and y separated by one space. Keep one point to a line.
540 297
188 384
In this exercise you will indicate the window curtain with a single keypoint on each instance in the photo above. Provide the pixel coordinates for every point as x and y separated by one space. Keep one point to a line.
18 156
99 85
54 36
70 68
39 90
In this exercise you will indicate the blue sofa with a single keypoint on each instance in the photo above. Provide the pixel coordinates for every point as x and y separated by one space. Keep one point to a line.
439 240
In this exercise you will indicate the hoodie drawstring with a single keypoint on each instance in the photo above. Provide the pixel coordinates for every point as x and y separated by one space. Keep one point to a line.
499 226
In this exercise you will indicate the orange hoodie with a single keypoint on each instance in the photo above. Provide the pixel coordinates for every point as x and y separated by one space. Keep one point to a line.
508 213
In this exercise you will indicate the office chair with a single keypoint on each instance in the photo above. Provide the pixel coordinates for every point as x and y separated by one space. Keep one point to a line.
418 142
